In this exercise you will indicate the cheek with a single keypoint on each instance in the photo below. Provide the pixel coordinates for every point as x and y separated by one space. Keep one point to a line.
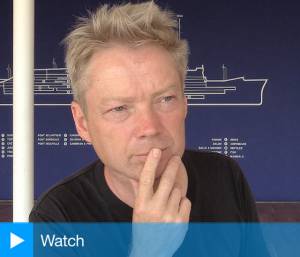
175 122
175 126
101 138
113 139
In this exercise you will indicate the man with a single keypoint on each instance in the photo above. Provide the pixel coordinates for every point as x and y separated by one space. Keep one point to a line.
127 69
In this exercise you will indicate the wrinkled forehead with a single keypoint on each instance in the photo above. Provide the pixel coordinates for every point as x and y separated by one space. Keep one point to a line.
124 69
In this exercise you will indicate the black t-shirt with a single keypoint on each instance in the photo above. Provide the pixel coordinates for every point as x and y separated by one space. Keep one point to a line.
217 190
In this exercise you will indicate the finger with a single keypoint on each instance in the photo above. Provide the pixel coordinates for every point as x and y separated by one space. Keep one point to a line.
174 201
185 209
167 181
181 180
147 176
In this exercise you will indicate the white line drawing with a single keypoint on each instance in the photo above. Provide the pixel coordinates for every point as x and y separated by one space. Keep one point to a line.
52 88
225 92
179 16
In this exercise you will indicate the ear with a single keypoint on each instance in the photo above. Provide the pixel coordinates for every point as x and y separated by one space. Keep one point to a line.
185 105
80 121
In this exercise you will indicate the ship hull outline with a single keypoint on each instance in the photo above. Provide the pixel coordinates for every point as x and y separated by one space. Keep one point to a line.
52 88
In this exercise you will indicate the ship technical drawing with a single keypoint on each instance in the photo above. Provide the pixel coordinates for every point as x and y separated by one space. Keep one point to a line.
235 91
52 87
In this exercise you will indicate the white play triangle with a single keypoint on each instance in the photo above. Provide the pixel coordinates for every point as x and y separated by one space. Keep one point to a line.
15 240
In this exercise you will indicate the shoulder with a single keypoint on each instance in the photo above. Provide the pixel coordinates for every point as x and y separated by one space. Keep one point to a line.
54 201
218 188
70 183
209 161
213 168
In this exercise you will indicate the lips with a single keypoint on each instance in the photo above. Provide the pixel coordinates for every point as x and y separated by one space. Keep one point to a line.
146 153
142 154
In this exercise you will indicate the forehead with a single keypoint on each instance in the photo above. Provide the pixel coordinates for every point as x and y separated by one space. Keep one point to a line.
130 69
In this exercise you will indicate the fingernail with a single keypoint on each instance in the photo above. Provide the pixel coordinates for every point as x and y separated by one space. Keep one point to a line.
156 152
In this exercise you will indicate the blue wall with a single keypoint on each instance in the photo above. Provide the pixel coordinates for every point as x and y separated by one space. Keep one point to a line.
256 122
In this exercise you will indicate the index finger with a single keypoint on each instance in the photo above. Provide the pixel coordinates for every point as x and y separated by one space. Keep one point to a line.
147 176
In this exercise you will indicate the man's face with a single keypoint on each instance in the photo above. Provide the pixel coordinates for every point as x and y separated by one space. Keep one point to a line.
134 102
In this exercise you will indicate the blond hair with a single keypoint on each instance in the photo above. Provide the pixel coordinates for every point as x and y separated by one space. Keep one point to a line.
134 24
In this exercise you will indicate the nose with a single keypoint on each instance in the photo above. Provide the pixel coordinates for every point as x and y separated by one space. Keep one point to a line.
148 123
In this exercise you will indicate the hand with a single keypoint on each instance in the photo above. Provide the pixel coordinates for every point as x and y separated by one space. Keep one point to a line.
168 203
165 211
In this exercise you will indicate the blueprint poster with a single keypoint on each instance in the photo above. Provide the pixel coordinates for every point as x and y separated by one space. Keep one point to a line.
242 86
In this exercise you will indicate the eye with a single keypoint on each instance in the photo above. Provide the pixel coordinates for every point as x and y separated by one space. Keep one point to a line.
168 98
119 108
118 113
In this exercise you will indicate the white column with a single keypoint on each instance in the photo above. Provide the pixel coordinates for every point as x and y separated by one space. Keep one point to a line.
23 109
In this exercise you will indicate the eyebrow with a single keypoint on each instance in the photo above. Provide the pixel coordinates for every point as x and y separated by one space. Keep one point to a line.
131 99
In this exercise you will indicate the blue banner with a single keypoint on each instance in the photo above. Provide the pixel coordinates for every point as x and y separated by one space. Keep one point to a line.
151 239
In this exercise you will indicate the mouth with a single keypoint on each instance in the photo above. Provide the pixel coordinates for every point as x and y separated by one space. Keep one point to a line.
144 155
